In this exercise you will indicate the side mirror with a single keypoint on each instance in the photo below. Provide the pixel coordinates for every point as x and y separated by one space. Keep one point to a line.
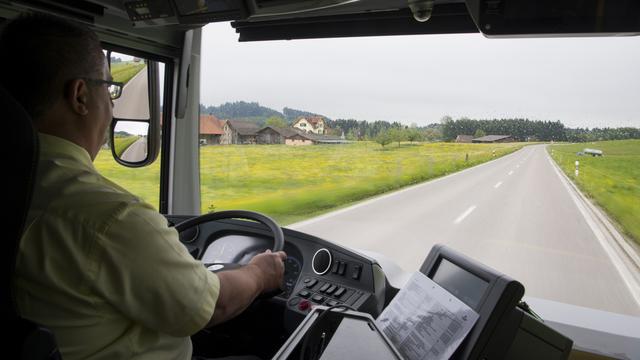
129 141
135 130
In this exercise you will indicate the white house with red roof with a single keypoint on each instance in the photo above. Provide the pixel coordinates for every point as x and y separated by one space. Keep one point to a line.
311 124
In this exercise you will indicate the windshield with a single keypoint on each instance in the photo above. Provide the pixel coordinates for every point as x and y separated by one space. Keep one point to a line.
343 138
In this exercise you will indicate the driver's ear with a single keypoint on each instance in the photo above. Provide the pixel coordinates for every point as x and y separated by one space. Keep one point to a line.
76 95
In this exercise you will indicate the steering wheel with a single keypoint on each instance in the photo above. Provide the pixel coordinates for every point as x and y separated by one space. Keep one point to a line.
278 236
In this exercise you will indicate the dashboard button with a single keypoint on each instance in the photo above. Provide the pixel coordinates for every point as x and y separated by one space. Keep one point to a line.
317 299
340 292
331 303
311 283
325 287
342 268
331 289
304 305
336 265
356 272
294 301
304 293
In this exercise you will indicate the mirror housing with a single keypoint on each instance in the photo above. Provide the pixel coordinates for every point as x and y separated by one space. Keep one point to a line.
135 131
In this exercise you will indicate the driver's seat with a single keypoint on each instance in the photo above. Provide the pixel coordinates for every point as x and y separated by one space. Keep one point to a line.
24 339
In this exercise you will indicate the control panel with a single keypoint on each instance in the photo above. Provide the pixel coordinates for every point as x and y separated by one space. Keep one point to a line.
336 280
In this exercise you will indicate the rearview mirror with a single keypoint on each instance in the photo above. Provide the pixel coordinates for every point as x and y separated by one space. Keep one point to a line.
129 141
135 130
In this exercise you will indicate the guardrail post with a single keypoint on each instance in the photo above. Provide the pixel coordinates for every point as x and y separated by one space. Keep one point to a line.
577 167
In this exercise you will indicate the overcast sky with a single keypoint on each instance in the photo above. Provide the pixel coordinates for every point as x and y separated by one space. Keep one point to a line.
584 82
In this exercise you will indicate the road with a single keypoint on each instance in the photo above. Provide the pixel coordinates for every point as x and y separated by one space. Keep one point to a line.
136 152
134 101
513 214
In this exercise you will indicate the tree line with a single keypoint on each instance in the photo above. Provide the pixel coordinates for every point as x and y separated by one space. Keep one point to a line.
446 130
519 129
533 130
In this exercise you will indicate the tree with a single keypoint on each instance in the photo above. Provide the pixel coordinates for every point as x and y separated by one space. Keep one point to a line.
414 134
383 138
397 134
480 133
276 121
433 134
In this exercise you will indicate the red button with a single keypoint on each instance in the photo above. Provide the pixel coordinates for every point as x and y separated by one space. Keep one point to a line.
304 305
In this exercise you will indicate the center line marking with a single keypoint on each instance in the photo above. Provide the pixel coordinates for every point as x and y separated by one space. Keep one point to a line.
498 184
464 214
510 172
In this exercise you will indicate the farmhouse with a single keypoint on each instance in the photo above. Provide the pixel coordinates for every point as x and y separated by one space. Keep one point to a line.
211 130
275 135
493 139
239 132
311 124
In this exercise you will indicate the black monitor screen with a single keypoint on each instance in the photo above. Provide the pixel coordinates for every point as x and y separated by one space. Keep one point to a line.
462 284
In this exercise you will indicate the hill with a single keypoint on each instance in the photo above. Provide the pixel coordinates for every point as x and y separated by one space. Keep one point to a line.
252 111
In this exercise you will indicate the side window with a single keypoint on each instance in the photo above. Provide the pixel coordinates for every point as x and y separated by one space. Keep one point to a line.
133 111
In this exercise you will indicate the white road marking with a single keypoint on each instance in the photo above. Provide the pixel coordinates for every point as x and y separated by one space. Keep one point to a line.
517 166
511 172
464 214
497 185
304 223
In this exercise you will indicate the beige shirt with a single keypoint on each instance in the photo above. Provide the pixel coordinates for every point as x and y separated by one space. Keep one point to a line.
103 270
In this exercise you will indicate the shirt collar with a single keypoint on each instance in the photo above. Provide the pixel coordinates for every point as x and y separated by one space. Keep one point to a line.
53 145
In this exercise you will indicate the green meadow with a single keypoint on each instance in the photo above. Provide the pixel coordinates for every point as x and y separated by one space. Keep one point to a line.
124 71
122 143
292 183
612 181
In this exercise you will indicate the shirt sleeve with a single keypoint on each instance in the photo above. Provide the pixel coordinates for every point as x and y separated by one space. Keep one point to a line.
147 274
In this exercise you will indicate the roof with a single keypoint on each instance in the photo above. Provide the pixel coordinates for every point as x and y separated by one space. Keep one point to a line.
464 138
286 132
490 138
313 120
211 125
243 127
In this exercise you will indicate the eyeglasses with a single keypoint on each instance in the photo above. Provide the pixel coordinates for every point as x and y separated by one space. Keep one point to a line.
115 88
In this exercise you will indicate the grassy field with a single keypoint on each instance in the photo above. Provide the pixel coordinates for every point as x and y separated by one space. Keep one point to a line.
144 182
124 71
612 181
294 183
122 143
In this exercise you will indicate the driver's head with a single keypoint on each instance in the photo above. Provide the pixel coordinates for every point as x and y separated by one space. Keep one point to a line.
50 65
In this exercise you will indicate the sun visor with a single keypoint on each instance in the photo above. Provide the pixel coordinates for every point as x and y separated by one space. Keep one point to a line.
552 18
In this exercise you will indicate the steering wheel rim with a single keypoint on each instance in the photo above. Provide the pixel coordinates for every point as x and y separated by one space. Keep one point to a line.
276 230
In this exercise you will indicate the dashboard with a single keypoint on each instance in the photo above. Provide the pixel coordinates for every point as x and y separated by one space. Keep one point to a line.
317 271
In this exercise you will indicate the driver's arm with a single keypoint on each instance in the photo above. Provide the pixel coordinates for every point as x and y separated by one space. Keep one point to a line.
239 287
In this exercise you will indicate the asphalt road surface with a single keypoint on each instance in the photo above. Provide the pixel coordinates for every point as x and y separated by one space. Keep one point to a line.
134 101
136 152
513 214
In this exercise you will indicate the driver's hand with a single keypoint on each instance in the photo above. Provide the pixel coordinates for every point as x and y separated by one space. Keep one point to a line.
271 266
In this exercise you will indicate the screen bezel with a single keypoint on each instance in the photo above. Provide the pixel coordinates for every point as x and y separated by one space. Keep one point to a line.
497 303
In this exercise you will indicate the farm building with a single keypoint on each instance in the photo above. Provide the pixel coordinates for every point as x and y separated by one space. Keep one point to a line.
464 138
275 135
239 132
211 130
311 124
494 139
327 139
